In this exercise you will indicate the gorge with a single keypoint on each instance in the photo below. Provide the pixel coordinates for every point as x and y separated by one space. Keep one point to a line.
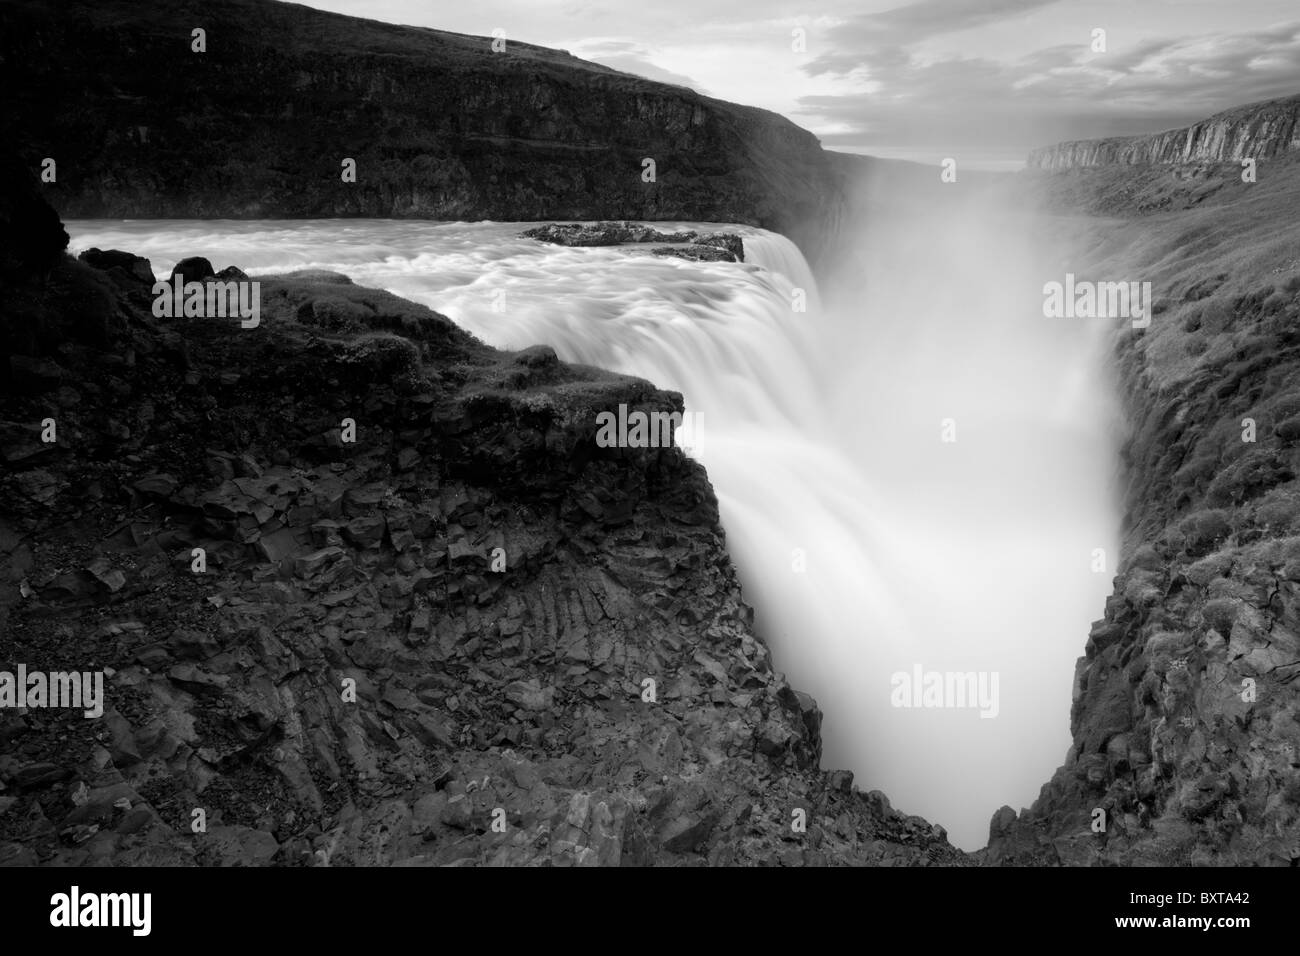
916 471
837 548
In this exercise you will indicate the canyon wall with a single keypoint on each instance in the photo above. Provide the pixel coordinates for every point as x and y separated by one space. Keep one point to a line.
1258 131
439 125
1186 708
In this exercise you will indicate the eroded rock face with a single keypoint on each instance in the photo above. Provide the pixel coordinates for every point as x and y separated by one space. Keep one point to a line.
1186 712
439 126
1258 131
468 636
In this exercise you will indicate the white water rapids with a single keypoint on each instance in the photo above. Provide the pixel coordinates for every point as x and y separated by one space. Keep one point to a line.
866 544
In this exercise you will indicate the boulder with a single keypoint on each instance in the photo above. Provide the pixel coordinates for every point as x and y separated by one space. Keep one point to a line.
135 266
193 269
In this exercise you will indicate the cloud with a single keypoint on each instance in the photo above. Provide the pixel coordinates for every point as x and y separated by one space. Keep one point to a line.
934 17
630 57
862 38
1061 92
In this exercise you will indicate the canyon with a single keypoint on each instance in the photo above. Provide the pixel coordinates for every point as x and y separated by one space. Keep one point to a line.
523 691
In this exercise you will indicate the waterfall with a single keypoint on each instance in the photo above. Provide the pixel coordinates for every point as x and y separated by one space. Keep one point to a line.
867 546
780 256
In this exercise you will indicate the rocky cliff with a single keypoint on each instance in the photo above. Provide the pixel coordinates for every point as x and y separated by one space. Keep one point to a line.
1186 706
439 125
1258 131
468 636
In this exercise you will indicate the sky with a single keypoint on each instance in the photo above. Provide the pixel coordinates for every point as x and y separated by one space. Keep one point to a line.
983 81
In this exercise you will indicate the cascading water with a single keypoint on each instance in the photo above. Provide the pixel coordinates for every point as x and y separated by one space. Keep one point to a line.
865 544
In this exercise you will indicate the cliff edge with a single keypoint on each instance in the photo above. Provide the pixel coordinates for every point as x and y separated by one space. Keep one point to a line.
1258 131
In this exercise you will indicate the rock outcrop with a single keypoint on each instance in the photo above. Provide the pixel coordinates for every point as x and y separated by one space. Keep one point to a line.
1258 131
438 124
461 634
711 247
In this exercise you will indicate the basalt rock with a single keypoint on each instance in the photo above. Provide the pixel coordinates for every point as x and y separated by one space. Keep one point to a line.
1259 131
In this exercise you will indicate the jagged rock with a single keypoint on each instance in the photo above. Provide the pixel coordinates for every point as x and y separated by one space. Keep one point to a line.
774 737
237 846
37 776
724 240
366 531
686 832
1260 130
530 695
696 253
309 565
720 247
602 234
160 486
105 574
130 263
879 803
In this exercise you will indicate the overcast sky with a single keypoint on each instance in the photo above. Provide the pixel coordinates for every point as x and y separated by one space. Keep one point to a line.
981 80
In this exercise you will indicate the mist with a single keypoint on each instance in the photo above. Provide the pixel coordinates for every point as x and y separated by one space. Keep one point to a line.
984 528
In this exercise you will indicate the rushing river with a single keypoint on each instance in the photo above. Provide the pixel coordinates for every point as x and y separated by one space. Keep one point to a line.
867 543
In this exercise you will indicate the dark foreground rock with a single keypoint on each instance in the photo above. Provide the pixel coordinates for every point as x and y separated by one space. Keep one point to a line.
365 591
